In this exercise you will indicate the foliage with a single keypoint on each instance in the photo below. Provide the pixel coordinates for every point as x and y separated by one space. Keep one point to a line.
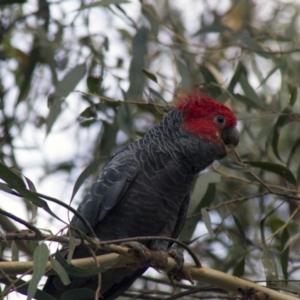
79 79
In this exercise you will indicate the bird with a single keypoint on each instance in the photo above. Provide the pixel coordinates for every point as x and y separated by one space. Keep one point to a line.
144 189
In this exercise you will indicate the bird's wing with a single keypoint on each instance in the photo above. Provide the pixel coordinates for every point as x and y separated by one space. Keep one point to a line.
107 190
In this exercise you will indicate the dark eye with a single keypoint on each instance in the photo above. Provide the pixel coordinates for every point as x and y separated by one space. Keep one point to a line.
220 120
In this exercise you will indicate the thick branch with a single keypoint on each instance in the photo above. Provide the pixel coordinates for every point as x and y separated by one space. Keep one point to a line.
230 283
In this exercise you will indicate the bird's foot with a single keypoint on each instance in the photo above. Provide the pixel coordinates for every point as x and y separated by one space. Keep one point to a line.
137 249
179 272
177 255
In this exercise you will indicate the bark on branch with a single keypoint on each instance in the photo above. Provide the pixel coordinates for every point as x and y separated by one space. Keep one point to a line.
126 259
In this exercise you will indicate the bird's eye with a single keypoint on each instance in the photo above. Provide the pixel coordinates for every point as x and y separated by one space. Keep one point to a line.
220 120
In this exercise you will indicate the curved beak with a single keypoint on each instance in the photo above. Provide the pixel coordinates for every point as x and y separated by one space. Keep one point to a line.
230 137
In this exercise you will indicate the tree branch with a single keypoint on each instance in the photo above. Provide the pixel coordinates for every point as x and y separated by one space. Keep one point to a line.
227 282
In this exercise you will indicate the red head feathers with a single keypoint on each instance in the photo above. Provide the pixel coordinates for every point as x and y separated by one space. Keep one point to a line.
205 117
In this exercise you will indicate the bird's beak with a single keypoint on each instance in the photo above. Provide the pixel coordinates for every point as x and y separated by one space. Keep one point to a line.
230 138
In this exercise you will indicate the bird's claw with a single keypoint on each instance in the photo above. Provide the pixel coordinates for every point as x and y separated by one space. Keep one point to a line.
177 255
137 249
179 272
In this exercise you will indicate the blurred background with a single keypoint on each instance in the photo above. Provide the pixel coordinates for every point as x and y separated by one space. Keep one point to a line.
79 79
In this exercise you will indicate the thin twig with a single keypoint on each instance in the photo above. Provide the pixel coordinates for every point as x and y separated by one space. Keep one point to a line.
38 234
66 240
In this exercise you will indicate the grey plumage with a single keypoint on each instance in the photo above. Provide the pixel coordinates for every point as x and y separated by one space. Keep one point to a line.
143 190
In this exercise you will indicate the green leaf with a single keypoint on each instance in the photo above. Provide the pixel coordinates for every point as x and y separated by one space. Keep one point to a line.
124 120
236 77
191 222
150 75
211 82
93 83
295 237
294 93
298 174
14 251
90 169
40 259
61 272
5 188
159 97
11 177
262 228
284 256
239 269
282 121
62 89
251 43
214 28
10 2
242 234
184 73
80 272
250 92
149 12
277 67
275 168
138 63
207 222
104 3
21 287
269 267
246 100
72 246
200 188
15 182
89 112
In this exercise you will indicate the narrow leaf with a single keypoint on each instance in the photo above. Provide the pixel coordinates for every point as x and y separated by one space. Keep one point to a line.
150 75
284 256
269 267
138 63
282 121
93 83
295 237
61 272
250 92
239 269
85 174
151 15
21 287
200 188
80 272
40 258
72 246
191 222
62 90
34 208
214 28
242 234
14 251
293 92
207 222
15 182
275 168
103 3
124 120
295 146
158 95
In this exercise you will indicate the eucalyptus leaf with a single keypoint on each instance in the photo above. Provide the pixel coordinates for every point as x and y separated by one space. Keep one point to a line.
284 255
207 222
280 170
40 259
90 169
